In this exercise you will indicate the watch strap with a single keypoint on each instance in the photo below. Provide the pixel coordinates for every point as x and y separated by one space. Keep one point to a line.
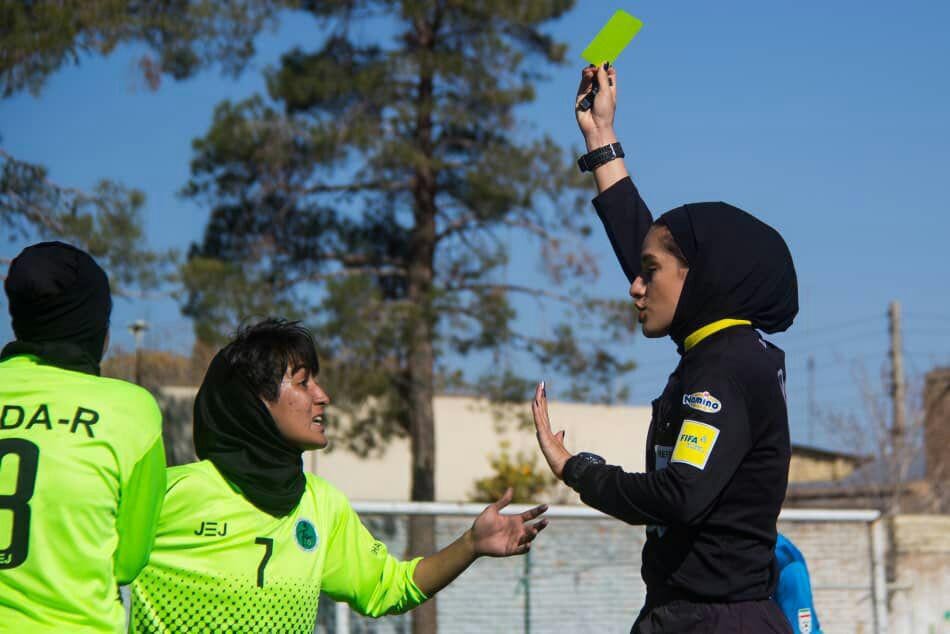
597 157
577 465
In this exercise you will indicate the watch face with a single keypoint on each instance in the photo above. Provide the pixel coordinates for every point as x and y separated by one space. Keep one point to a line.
592 457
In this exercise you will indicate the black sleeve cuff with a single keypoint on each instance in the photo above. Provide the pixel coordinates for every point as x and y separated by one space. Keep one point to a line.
568 472
579 472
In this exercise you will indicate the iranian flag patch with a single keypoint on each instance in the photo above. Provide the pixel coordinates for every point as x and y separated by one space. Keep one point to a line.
804 621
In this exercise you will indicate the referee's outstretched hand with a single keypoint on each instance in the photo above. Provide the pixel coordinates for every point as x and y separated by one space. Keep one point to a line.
497 535
552 445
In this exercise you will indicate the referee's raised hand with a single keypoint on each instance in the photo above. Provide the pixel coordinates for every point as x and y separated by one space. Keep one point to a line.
497 535
597 123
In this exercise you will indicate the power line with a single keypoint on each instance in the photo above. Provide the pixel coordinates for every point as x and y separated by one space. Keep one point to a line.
834 326
857 336
835 362
941 317
927 332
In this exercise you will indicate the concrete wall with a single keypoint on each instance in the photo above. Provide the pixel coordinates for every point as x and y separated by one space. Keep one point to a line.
839 561
467 433
805 467
937 437
920 596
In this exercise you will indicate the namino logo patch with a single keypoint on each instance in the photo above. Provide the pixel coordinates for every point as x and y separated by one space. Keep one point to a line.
703 402
306 535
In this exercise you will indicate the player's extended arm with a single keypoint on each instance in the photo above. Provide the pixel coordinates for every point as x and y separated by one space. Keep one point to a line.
360 571
140 505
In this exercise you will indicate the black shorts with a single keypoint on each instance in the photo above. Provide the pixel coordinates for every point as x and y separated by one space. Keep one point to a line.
743 617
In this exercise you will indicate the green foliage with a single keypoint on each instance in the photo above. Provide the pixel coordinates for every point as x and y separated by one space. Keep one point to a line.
180 36
375 191
521 472
227 296
107 222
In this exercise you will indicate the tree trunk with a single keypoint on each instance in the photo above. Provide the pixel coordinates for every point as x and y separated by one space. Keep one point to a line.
421 415
422 332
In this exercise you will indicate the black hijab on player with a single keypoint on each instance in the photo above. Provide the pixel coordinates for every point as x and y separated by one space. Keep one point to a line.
235 430
60 304
739 268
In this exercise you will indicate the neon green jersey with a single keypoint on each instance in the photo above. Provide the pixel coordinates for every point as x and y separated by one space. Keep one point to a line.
82 473
221 564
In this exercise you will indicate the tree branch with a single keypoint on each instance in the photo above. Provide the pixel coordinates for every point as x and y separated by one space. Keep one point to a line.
378 185
472 223
345 272
524 290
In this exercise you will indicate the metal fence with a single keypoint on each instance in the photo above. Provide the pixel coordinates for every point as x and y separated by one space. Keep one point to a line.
583 573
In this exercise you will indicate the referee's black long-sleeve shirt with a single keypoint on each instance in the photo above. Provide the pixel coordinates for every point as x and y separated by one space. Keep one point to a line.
718 452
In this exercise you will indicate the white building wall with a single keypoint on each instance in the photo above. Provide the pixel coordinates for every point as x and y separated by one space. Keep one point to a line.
467 433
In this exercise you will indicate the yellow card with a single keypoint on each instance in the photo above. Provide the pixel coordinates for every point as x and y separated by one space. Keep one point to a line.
612 39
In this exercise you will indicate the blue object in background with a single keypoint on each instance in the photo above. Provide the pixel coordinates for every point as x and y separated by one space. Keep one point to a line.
793 593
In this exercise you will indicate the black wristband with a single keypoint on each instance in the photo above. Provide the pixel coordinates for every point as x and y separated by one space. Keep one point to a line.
595 158
576 465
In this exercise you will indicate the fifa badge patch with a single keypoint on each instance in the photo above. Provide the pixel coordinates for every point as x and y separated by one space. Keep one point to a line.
306 535
694 443
702 402
804 621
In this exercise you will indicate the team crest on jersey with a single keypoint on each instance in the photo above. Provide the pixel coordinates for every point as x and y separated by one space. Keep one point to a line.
804 620
703 402
306 535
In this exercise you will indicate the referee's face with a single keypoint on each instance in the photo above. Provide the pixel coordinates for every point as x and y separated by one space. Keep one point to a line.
656 291
299 410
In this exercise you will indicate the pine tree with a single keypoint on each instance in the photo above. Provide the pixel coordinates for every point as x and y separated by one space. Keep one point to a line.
371 191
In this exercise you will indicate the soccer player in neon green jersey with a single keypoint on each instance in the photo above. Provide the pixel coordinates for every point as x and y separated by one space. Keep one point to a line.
82 467
247 541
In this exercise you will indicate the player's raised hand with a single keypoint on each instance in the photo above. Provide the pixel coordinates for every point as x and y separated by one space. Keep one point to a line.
497 535
552 445
597 123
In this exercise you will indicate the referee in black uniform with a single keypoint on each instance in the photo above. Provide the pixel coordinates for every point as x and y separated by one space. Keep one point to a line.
710 276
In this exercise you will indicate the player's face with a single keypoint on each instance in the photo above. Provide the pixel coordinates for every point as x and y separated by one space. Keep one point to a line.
656 291
299 409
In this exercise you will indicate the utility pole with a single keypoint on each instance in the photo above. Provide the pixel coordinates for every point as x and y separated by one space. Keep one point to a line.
897 370
526 580
138 329
811 400
897 391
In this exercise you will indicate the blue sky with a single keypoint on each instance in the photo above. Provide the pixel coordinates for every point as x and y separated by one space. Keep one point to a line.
827 120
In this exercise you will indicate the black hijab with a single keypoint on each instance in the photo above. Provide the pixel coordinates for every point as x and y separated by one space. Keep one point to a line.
60 304
739 267
235 431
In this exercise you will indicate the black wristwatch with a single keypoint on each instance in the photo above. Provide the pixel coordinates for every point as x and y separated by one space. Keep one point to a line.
595 158
575 467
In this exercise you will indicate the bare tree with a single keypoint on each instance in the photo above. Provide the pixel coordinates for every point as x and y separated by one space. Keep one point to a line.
892 480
